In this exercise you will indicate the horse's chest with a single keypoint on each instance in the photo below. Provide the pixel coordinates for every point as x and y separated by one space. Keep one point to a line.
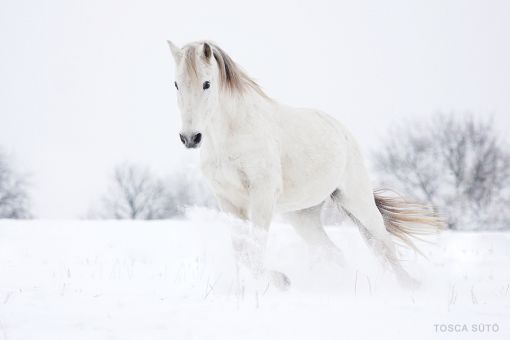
225 175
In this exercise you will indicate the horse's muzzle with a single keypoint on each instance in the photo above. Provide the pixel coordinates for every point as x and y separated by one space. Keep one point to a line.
191 141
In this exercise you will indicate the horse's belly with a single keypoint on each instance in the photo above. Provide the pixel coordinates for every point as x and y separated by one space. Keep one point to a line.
305 196
308 185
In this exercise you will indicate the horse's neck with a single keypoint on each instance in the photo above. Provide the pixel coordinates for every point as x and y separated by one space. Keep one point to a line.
234 113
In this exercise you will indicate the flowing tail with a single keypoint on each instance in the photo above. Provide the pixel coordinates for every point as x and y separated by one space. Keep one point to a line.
407 220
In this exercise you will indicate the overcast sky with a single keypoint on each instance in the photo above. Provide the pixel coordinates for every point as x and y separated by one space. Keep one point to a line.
87 84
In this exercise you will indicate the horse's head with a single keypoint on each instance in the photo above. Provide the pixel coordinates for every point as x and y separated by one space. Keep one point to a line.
197 86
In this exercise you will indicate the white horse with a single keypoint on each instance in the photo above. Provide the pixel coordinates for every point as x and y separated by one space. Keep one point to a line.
261 158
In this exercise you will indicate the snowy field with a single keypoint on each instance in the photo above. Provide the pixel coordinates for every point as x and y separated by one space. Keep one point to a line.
177 280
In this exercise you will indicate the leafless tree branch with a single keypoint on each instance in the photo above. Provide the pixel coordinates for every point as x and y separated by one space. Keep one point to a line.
14 198
459 165
136 193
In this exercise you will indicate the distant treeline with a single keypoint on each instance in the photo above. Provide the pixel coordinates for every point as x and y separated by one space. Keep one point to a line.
459 165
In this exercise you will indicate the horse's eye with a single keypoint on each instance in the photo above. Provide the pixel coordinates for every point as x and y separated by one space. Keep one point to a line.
175 83
206 85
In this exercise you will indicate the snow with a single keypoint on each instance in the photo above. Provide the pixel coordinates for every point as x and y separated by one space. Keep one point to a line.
176 279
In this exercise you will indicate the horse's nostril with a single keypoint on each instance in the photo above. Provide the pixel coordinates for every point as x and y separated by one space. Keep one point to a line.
197 138
183 139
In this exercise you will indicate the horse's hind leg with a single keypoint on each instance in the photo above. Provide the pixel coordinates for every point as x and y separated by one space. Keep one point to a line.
308 224
360 207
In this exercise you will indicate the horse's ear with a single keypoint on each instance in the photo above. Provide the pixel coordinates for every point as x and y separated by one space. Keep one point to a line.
176 51
207 51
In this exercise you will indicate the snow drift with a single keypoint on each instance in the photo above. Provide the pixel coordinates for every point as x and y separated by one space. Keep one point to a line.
177 279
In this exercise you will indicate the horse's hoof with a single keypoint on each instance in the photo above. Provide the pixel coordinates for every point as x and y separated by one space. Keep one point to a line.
279 280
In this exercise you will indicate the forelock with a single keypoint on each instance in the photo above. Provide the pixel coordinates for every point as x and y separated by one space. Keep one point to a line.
232 78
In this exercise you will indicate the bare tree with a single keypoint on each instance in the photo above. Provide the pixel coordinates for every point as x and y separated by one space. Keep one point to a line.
459 165
14 198
185 188
136 193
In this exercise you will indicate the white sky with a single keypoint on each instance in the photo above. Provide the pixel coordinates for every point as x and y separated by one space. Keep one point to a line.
86 84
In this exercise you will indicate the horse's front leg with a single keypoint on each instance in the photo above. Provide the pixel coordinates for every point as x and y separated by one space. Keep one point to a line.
261 202
260 208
